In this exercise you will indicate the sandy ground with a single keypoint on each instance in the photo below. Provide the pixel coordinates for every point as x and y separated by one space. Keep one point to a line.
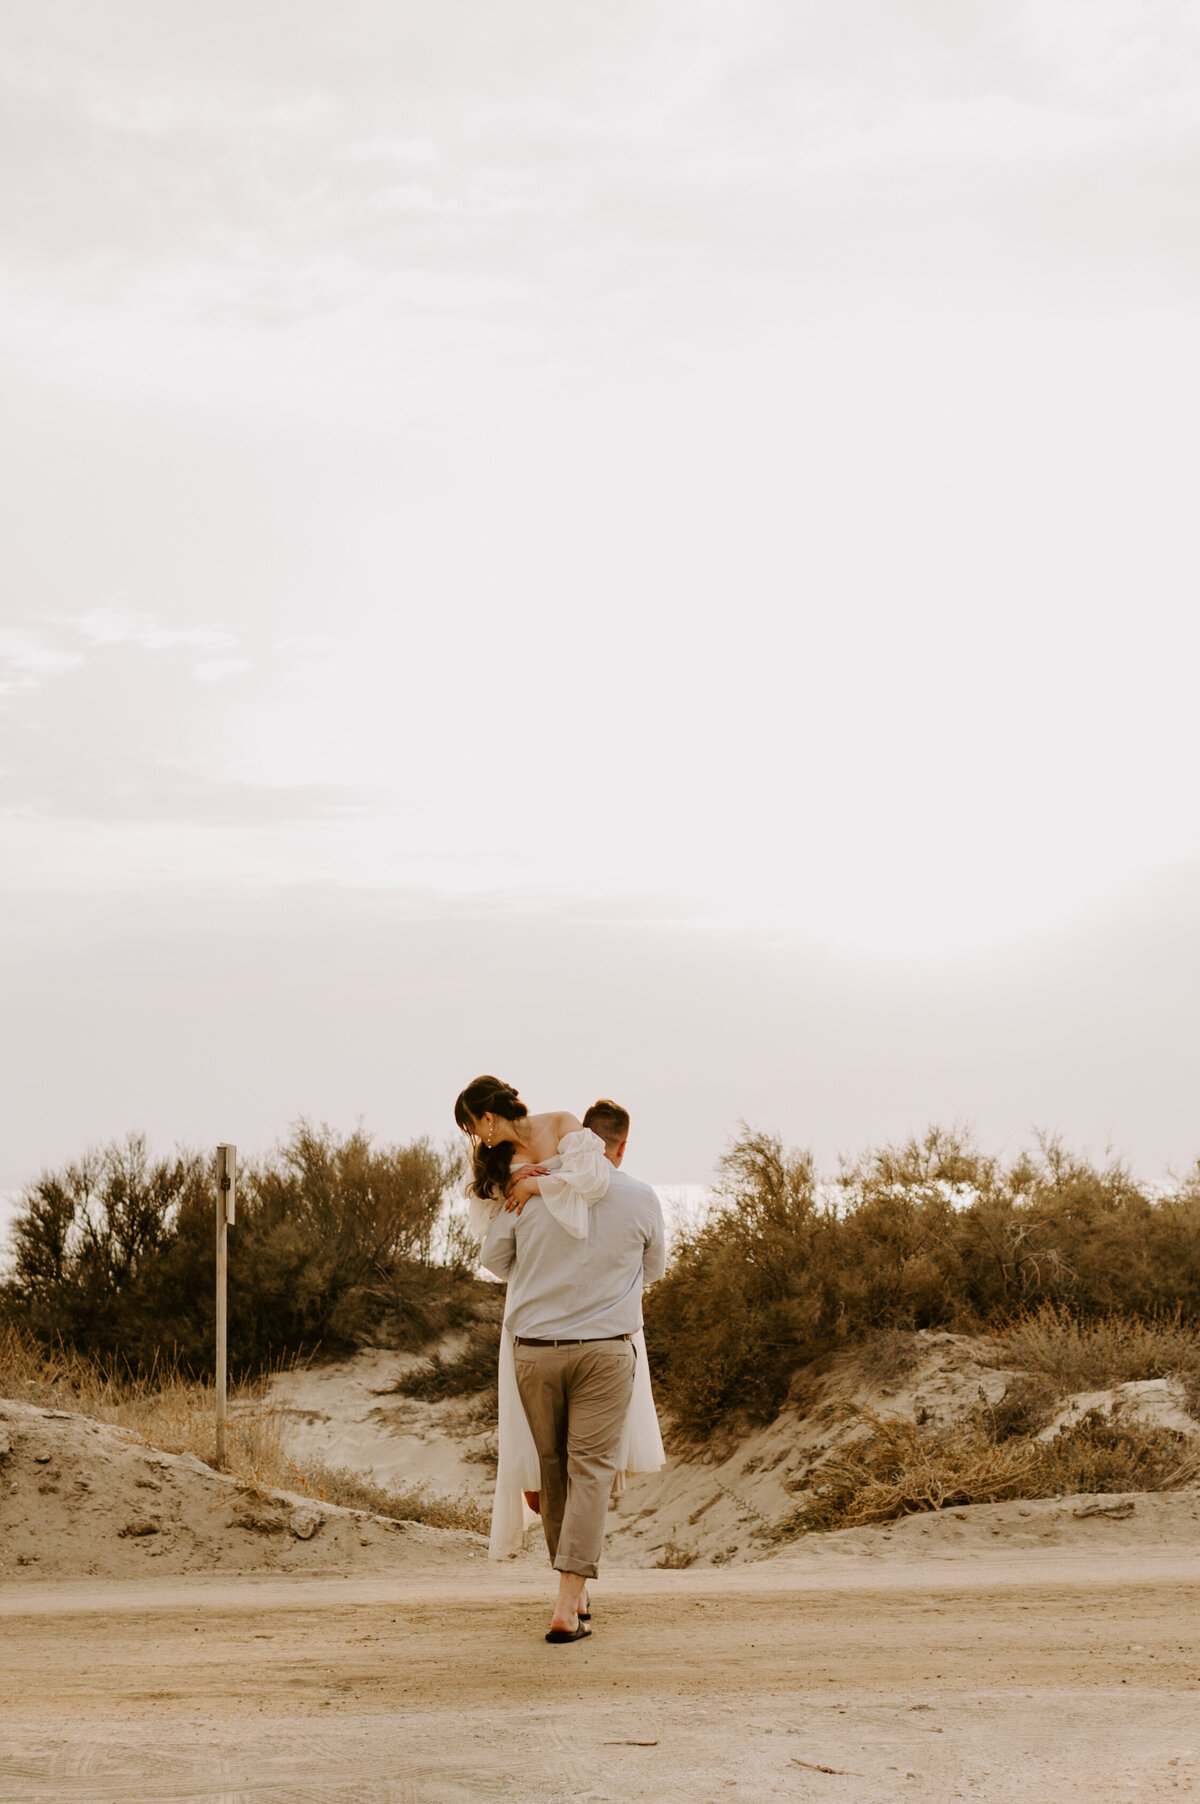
344 1414
167 1634
1056 1677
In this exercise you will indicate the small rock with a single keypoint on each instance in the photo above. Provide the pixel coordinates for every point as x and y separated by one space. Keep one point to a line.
194 1464
5 1446
139 1525
305 1522
43 1459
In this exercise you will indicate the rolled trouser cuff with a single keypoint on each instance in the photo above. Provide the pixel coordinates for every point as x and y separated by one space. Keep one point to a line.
581 1568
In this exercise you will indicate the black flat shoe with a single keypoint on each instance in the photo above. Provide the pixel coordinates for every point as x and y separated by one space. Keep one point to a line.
560 1635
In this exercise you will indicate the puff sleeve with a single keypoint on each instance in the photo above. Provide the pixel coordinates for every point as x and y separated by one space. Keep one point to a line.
579 1181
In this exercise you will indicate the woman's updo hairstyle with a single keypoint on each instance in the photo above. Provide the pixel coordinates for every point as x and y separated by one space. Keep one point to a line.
490 1165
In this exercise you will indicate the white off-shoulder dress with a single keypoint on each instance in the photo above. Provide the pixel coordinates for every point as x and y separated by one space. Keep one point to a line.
577 1177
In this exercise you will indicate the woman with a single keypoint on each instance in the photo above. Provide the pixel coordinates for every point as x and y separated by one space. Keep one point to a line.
515 1155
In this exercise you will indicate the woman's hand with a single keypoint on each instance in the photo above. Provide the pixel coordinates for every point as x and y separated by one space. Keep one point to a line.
521 1188
525 1171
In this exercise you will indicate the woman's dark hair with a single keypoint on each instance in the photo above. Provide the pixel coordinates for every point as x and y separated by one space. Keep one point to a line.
490 1165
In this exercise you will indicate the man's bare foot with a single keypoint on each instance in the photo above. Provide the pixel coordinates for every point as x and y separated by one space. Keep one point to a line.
572 1587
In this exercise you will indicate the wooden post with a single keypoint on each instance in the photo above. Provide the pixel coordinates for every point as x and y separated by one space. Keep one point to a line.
226 1190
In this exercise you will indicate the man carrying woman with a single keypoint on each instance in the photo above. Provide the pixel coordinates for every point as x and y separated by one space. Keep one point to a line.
576 1239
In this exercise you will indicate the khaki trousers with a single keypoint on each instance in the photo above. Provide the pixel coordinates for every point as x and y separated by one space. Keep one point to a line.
576 1400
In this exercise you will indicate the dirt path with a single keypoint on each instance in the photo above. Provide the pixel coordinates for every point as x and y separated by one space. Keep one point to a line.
1053 1680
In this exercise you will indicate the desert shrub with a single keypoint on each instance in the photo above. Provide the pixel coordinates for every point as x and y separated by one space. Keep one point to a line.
116 1251
930 1234
1081 1355
781 1272
470 1370
1112 1453
899 1469
1028 1405
415 1304
745 1299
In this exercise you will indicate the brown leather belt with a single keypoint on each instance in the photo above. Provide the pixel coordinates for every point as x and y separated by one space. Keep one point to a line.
523 1340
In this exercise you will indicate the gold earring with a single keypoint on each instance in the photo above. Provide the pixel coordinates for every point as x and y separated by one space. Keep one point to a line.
488 1137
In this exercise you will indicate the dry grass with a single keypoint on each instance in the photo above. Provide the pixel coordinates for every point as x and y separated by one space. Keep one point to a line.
164 1408
889 1354
1096 1354
898 1469
336 1485
178 1415
676 1559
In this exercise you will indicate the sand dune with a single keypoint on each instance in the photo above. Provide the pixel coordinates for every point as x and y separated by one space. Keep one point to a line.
80 1498
723 1505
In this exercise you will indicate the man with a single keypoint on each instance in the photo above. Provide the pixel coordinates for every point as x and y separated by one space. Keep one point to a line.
573 1309
610 1123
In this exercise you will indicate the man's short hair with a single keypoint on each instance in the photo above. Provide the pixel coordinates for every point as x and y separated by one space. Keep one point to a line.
609 1121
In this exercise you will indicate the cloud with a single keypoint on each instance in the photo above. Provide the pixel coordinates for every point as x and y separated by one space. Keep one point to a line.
106 724
114 791
689 341
27 657
549 146
31 653
215 670
108 626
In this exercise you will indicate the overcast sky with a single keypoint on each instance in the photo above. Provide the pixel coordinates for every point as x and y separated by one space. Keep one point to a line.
648 548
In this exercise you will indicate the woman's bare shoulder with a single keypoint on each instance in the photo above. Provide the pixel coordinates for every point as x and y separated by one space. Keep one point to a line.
555 1122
